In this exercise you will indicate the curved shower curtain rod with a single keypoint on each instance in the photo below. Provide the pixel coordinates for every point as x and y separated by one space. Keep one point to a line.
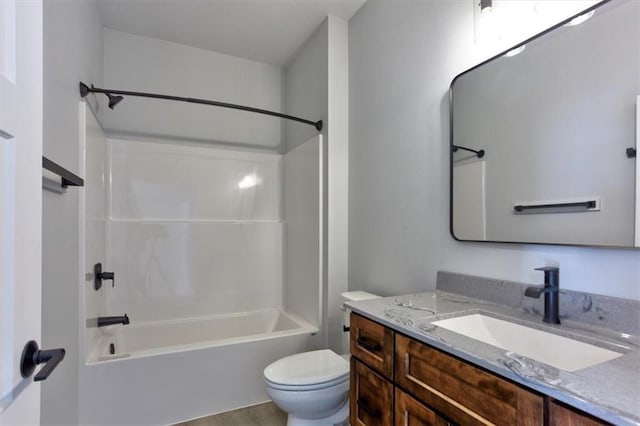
115 98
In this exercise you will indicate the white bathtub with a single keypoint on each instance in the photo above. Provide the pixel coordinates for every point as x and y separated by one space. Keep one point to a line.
172 336
172 371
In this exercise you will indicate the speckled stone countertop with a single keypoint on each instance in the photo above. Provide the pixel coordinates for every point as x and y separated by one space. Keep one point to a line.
609 390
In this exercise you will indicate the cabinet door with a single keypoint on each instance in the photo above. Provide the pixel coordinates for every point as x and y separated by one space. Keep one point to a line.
560 415
410 412
460 391
372 343
371 399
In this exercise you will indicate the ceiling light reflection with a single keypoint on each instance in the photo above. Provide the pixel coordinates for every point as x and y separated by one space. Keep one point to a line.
579 19
516 51
248 181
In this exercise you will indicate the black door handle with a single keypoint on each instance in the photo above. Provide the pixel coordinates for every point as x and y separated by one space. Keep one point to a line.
32 356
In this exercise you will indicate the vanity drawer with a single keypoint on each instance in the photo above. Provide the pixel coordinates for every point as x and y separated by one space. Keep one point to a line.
372 343
410 411
461 392
371 397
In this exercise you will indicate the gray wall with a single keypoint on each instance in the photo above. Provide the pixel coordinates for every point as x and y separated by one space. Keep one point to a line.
72 52
315 87
403 56
144 64
305 92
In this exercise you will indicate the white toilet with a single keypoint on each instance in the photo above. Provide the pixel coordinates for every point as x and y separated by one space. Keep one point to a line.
313 387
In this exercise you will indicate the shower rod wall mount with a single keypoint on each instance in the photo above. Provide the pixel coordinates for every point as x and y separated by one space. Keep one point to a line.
479 153
115 96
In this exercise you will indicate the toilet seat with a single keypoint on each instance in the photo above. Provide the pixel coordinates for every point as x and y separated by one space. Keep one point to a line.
309 387
308 370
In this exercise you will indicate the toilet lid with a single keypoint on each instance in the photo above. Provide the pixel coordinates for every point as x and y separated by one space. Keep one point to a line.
307 368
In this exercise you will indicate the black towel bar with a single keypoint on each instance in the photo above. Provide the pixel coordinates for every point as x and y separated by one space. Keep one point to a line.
586 204
68 178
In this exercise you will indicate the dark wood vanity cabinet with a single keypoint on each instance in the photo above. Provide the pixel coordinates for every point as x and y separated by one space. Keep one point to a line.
372 343
371 399
561 415
411 412
397 380
463 393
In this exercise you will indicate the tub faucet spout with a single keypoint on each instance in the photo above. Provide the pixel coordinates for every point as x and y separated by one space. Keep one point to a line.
551 291
103 321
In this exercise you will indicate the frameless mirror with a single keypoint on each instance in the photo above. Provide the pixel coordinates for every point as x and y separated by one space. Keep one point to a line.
543 142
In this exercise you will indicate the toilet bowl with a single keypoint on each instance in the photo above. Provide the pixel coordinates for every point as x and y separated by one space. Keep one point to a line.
313 387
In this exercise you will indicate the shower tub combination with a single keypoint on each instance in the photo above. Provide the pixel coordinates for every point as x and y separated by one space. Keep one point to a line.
215 288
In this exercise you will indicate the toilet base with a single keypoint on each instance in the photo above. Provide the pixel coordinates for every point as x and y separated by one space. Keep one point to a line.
340 417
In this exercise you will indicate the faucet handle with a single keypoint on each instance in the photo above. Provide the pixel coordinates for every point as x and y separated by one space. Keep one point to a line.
548 269
551 276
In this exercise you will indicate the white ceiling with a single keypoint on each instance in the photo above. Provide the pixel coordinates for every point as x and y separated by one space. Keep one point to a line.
262 30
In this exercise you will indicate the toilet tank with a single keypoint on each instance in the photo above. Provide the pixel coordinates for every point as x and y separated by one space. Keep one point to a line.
352 296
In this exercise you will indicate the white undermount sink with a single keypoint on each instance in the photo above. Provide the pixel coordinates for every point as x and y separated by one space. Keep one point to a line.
558 351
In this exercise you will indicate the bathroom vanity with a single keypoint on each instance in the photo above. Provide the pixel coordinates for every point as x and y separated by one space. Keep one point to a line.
406 370
396 379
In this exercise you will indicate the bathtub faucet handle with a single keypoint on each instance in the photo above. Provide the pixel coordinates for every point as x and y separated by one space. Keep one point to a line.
98 276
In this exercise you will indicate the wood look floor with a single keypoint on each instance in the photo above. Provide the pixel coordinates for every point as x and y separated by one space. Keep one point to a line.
258 415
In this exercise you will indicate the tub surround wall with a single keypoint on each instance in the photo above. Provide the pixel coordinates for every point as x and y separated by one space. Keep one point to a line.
302 208
399 156
185 239
179 181
169 271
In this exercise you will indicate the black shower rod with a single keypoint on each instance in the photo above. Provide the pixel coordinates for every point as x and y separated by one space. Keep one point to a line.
480 153
115 97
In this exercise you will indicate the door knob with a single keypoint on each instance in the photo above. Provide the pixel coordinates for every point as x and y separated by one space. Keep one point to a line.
32 356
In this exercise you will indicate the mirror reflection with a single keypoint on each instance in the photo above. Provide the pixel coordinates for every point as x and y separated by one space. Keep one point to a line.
555 120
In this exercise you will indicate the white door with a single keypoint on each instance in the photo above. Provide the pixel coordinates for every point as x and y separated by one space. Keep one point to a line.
20 203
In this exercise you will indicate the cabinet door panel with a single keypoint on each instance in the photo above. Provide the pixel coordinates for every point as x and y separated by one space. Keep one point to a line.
410 412
372 343
559 415
371 398
463 393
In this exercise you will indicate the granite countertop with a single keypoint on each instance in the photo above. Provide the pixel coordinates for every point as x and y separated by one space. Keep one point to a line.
609 390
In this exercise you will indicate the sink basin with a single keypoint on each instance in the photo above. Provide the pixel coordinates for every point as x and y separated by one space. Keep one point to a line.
561 352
